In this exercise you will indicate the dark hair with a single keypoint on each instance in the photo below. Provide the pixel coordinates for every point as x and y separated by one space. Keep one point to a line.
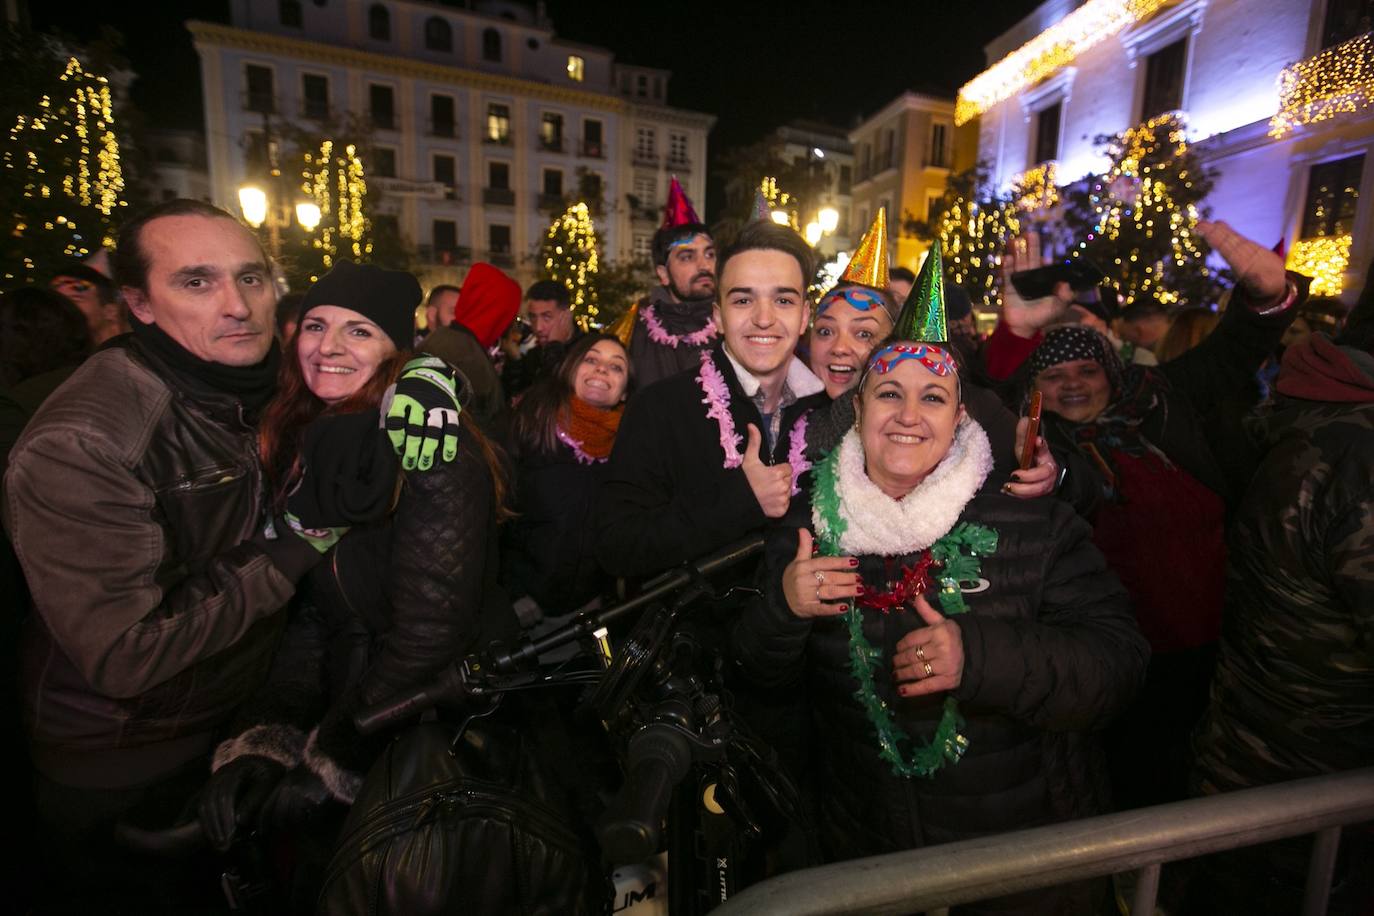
546 403
1144 308
78 271
440 290
665 238
901 273
129 263
544 290
768 236
40 330
288 309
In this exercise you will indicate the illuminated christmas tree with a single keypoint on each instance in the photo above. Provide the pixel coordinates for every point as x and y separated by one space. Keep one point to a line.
336 182
568 255
63 184
1138 221
973 227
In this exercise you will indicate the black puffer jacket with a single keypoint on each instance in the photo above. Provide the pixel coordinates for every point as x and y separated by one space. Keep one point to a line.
1051 651
392 605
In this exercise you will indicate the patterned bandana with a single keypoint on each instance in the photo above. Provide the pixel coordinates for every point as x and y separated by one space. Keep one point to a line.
1075 342
938 360
861 299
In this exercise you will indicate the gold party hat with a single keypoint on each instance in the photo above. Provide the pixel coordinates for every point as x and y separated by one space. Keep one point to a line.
869 264
624 327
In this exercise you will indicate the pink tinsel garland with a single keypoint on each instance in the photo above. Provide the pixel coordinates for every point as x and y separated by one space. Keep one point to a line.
659 334
796 452
718 401
581 456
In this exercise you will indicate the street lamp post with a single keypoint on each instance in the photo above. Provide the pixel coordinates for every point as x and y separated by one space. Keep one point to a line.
261 204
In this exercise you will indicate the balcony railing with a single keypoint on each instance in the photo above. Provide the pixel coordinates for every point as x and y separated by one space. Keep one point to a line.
263 102
382 120
679 164
445 254
497 139
410 187
591 149
550 144
1333 83
500 197
549 202
442 128
645 158
316 110
500 257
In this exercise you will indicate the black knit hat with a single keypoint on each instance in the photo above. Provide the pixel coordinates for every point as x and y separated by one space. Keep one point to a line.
387 298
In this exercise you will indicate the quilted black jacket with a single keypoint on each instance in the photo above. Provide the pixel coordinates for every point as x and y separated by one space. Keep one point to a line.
1051 651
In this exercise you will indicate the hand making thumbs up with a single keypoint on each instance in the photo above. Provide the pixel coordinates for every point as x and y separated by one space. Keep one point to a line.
819 586
772 484
929 659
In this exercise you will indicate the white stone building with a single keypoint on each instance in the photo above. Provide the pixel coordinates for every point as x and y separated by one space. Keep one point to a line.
480 118
1278 95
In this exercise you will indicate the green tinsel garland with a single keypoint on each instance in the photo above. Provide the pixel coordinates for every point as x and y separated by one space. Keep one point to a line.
958 554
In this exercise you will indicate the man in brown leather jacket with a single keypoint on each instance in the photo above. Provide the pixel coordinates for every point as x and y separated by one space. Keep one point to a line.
134 502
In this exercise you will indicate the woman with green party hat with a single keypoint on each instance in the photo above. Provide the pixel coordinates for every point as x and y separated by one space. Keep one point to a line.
957 643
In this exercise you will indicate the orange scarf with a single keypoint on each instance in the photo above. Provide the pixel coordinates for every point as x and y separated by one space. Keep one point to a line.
593 427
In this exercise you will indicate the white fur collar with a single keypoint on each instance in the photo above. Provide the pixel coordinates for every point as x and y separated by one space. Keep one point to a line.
875 523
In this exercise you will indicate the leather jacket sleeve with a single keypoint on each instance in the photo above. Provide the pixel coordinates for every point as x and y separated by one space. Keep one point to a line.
96 556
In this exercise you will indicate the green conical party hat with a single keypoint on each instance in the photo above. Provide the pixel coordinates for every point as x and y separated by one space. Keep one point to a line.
923 314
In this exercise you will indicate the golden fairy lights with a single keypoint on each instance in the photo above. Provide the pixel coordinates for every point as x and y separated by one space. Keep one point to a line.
1338 81
780 202
68 151
570 258
1053 48
1323 259
1135 192
972 238
338 186
1036 189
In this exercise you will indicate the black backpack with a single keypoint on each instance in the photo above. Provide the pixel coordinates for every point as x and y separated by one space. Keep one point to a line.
479 829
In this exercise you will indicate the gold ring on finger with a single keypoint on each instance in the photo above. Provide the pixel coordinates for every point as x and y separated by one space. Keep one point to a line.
820 578
921 652
929 670
818 594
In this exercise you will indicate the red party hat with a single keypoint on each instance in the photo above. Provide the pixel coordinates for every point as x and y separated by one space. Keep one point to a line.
678 211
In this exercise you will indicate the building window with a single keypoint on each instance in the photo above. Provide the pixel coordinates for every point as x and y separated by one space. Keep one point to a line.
289 13
438 34
498 123
865 161
591 138
643 245
260 94
498 176
441 115
939 145
577 68
1047 133
315 96
551 132
646 189
445 234
677 149
553 182
1333 194
846 179
491 45
498 239
646 139
446 173
384 162
658 87
255 152
379 22
1164 80
382 106
934 205
1345 19
590 188
641 85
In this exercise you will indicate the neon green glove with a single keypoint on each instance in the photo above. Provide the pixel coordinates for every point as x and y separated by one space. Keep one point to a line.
320 538
421 411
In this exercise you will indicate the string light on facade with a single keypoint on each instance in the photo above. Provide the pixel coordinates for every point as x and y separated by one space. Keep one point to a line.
1053 48
337 184
570 258
1036 189
1338 81
1324 259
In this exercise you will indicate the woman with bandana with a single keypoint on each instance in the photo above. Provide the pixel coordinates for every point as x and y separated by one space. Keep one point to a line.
1160 491
955 641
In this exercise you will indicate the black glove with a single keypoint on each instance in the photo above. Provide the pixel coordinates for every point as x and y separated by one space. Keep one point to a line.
298 796
234 794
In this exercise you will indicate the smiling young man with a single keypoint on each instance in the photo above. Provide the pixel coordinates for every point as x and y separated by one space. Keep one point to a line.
702 458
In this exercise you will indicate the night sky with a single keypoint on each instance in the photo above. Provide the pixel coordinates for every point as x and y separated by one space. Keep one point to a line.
754 64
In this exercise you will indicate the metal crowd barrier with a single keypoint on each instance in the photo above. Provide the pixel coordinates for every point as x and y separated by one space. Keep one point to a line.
1144 839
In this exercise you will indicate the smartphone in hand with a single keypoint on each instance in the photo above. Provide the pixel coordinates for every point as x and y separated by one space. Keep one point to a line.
1032 431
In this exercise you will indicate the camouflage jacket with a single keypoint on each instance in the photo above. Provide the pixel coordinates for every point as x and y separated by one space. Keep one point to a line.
1294 689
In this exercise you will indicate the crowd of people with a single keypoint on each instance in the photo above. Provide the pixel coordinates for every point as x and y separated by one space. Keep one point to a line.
238 519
